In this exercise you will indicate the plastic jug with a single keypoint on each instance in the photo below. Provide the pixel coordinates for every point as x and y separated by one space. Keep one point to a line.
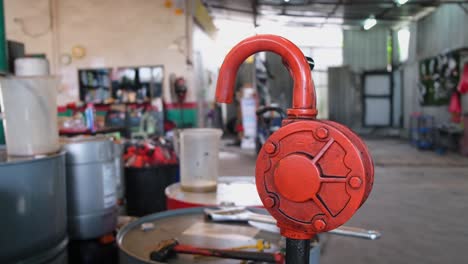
199 149
30 115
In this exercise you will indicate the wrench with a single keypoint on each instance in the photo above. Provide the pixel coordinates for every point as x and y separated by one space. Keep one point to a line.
241 214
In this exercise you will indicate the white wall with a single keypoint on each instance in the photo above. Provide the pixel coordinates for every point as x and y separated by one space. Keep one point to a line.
113 32
29 22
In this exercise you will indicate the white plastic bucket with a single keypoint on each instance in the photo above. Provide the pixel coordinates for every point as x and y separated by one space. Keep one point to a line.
199 149
31 66
30 121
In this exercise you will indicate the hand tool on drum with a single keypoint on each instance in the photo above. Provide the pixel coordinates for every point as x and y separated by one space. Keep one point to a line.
166 249
341 231
259 246
241 214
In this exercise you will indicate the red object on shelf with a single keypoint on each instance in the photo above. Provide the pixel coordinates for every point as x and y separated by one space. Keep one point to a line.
239 128
61 109
463 84
169 125
71 106
311 175
455 107
185 105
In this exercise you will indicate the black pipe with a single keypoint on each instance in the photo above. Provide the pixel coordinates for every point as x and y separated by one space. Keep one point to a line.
297 251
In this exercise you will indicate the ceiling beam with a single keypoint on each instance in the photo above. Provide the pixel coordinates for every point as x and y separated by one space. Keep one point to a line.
385 11
333 11
314 16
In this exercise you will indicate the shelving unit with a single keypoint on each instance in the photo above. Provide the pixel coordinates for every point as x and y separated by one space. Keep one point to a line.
422 131
95 85
133 84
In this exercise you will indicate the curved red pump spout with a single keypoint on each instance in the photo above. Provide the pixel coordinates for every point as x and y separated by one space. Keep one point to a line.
303 105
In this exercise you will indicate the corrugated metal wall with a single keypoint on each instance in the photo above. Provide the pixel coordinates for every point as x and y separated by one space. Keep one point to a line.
281 85
365 50
344 98
362 51
410 80
445 29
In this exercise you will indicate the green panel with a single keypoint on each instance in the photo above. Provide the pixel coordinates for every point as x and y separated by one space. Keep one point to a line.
184 118
101 113
3 47
2 134
67 113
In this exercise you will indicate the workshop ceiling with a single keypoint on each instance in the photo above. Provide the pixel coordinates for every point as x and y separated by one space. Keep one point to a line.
346 13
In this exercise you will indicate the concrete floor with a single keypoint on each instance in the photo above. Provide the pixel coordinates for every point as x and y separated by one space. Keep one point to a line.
419 203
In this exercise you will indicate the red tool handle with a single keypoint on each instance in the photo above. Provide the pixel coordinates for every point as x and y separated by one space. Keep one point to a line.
304 105
232 254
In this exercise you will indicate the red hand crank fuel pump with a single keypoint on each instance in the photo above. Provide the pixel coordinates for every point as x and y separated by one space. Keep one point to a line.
312 175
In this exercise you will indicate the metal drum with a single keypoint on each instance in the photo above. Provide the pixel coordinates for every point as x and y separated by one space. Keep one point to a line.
119 171
91 187
231 191
190 227
33 209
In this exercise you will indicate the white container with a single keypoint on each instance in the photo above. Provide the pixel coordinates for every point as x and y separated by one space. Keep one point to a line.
31 66
30 108
199 149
